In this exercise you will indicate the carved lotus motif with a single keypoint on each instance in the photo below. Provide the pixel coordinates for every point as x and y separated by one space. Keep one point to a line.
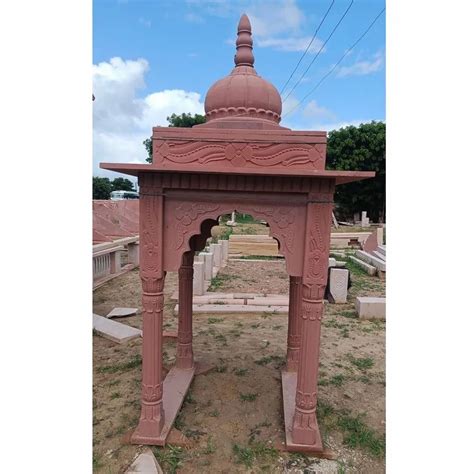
186 213
238 153
284 217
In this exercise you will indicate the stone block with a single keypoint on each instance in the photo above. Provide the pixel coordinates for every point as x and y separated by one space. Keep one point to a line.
380 235
370 307
371 259
340 264
381 249
332 262
133 253
338 282
122 312
379 255
225 250
115 331
235 308
216 250
145 463
270 301
206 257
364 265
198 278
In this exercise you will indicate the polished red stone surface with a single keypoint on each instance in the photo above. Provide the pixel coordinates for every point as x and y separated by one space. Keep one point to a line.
240 159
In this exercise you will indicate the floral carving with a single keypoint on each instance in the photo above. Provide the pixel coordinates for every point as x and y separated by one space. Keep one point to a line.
152 393
306 401
238 153
241 154
186 213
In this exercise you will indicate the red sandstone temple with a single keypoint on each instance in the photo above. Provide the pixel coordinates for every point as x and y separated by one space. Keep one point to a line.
240 159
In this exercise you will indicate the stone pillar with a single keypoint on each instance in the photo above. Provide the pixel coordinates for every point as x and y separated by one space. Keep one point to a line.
152 275
115 263
364 220
206 257
133 253
294 325
198 280
225 251
315 269
184 350
216 250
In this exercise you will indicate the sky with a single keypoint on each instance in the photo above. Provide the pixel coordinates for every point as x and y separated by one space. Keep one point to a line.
152 58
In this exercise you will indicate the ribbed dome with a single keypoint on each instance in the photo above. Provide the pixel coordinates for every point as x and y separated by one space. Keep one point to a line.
243 93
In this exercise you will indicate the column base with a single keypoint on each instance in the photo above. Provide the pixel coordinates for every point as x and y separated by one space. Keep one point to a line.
175 387
288 383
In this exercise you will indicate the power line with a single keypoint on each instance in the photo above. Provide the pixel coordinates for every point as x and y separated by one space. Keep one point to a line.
307 48
320 49
337 64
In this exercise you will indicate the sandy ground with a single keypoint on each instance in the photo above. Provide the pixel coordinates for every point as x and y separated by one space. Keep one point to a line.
234 414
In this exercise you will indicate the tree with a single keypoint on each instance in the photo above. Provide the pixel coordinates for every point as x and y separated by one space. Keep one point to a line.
122 184
101 188
183 120
359 148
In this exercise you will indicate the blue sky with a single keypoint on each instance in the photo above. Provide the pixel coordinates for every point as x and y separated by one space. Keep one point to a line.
152 58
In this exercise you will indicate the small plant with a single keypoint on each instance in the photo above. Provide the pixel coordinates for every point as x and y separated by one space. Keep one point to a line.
275 328
214 320
337 380
210 447
240 372
280 361
361 363
171 456
221 369
115 395
266 314
255 326
248 397
247 454
244 455
214 413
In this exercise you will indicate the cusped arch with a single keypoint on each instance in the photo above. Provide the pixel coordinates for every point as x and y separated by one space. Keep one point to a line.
185 220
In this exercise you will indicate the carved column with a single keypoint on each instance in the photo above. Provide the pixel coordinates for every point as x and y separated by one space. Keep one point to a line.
294 325
184 352
317 240
153 279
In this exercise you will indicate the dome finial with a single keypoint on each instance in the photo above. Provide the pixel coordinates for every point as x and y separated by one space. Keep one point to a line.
244 55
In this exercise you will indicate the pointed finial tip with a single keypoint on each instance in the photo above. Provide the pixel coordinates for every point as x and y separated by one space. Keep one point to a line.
244 55
244 23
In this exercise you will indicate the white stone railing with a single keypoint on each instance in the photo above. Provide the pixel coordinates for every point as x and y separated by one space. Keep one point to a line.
106 257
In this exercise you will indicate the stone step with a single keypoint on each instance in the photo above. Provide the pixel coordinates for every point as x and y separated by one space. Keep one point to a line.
115 331
235 308
379 255
370 307
371 259
381 249
364 265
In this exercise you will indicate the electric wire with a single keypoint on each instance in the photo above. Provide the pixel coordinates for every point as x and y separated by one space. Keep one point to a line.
337 64
307 48
320 49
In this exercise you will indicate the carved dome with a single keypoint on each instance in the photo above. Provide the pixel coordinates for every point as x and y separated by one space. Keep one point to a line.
243 93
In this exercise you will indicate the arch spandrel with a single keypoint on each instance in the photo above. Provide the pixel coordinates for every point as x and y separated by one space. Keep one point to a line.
184 219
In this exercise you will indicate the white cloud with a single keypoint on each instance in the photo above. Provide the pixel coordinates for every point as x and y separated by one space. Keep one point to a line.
193 18
274 18
291 44
123 119
315 111
144 22
362 68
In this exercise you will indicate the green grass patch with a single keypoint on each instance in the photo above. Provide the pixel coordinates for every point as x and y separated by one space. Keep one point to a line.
254 451
219 280
214 320
133 363
172 457
248 397
361 363
280 361
240 372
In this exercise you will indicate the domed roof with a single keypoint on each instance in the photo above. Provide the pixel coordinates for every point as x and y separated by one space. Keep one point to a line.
243 93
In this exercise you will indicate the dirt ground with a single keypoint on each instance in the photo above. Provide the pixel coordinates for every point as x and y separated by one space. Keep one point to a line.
234 413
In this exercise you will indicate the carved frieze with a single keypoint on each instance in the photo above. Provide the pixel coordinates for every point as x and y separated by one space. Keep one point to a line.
240 155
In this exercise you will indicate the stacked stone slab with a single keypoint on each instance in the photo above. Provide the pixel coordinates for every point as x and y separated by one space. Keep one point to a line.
370 307
371 259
